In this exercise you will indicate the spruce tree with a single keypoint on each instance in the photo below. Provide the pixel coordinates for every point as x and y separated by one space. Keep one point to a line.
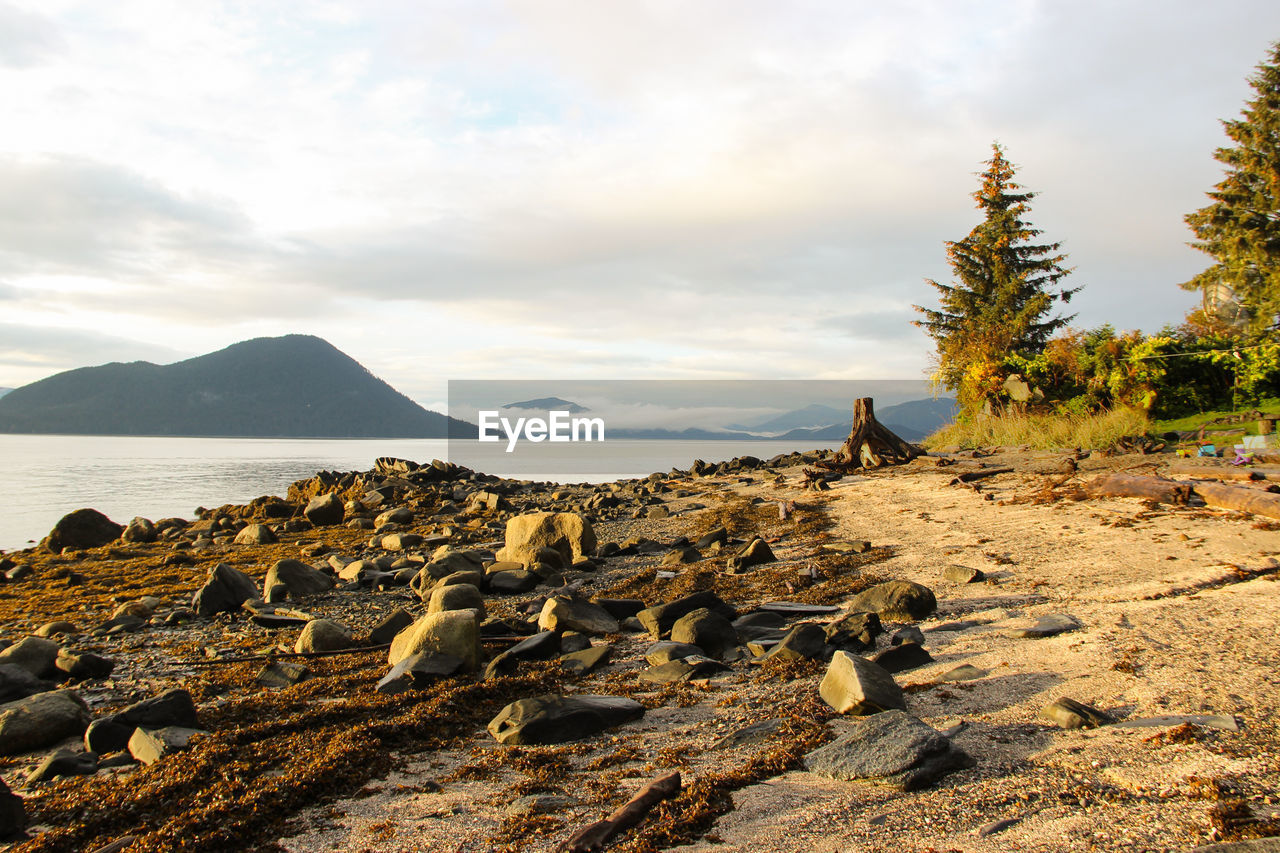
1240 229
1005 288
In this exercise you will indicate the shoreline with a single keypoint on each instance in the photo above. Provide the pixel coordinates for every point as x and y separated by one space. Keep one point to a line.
1153 590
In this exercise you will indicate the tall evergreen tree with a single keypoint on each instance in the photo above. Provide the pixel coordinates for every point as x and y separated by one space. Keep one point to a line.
1240 229
1005 288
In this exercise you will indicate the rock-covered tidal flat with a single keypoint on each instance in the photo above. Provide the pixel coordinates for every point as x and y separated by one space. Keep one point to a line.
422 657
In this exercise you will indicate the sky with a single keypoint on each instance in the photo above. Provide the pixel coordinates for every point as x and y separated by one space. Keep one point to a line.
719 189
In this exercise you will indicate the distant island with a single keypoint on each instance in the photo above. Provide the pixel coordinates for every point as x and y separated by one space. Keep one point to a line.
295 386
547 404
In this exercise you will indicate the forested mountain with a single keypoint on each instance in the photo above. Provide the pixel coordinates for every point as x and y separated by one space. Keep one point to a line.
296 386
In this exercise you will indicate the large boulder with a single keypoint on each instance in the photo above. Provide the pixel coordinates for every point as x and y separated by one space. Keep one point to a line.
323 635
17 682
458 596
557 719
324 509
41 720
297 577
451 632
898 601
84 528
707 630
562 613
140 530
566 532
111 733
225 590
659 619
854 685
256 534
894 749
36 655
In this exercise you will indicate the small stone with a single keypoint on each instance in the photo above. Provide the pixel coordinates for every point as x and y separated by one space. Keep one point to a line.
280 674
36 655
64 762
1050 626
84 665
680 556
13 814
684 669
41 720
806 641
558 719
706 629
894 749
150 745
902 658
755 553
256 534
393 623
909 634
418 672
963 672
963 574
324 509
1070 714
562 613
854 632
451 632
586 660
462 596
901 601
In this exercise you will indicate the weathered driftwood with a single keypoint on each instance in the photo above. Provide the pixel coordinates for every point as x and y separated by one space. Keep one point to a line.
1120 485
970 476
595 836
1241 498
1214 472
870 443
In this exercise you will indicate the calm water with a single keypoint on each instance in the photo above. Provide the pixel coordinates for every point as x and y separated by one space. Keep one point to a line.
43 477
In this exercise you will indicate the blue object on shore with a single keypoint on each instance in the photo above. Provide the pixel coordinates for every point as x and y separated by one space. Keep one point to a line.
1208 450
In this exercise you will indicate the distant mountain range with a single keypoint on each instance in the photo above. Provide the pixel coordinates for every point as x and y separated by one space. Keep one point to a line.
912 421
296 386
548 404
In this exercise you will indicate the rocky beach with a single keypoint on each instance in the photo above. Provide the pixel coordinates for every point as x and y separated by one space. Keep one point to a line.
973 651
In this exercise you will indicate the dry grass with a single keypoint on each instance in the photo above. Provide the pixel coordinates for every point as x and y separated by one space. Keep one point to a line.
1042 432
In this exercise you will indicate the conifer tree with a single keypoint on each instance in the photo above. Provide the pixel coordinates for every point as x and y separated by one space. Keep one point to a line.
1005 288
1240 229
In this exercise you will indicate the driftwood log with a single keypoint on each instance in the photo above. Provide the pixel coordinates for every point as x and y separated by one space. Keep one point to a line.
1241 498
596 836
1215 472
1158 489
870 443
981 473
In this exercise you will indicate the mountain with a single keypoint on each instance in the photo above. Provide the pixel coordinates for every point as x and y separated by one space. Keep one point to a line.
814 415
4 391
690 434
912 421
296 386
547 404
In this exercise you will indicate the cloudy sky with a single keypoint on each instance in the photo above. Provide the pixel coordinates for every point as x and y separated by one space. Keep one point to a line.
475 189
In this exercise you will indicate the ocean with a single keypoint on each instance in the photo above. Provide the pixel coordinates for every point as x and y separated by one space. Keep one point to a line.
44 477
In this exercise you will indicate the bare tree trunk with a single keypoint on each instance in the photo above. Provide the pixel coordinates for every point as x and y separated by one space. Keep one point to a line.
1242 498
870 444
1137 486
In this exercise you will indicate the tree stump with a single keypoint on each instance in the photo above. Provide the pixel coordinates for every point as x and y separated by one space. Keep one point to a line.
870 443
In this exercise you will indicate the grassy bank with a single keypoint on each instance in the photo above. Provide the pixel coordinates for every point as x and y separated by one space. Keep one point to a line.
1042 431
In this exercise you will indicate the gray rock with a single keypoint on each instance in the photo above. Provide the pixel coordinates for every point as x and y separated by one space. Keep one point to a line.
909 634
899 601
682 669
224 591
894 749
84 528
659 619
461 596
755 553
280 674
451 632
752 735
1050 626
140 530
418 672
963 672
621 608
324 509
806 641
475 579
568 533
150 745
563 613
298 578
720 535
706 629
902 657
512 582
680 556
855 632
1070 714
41 720
36 655
111 733
256 534
558 719
586 660
398 515
18 683
13 814
853 685
56 628
543 645
393 623
64 762
963 574
667 651
83 665
324 635
401 541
